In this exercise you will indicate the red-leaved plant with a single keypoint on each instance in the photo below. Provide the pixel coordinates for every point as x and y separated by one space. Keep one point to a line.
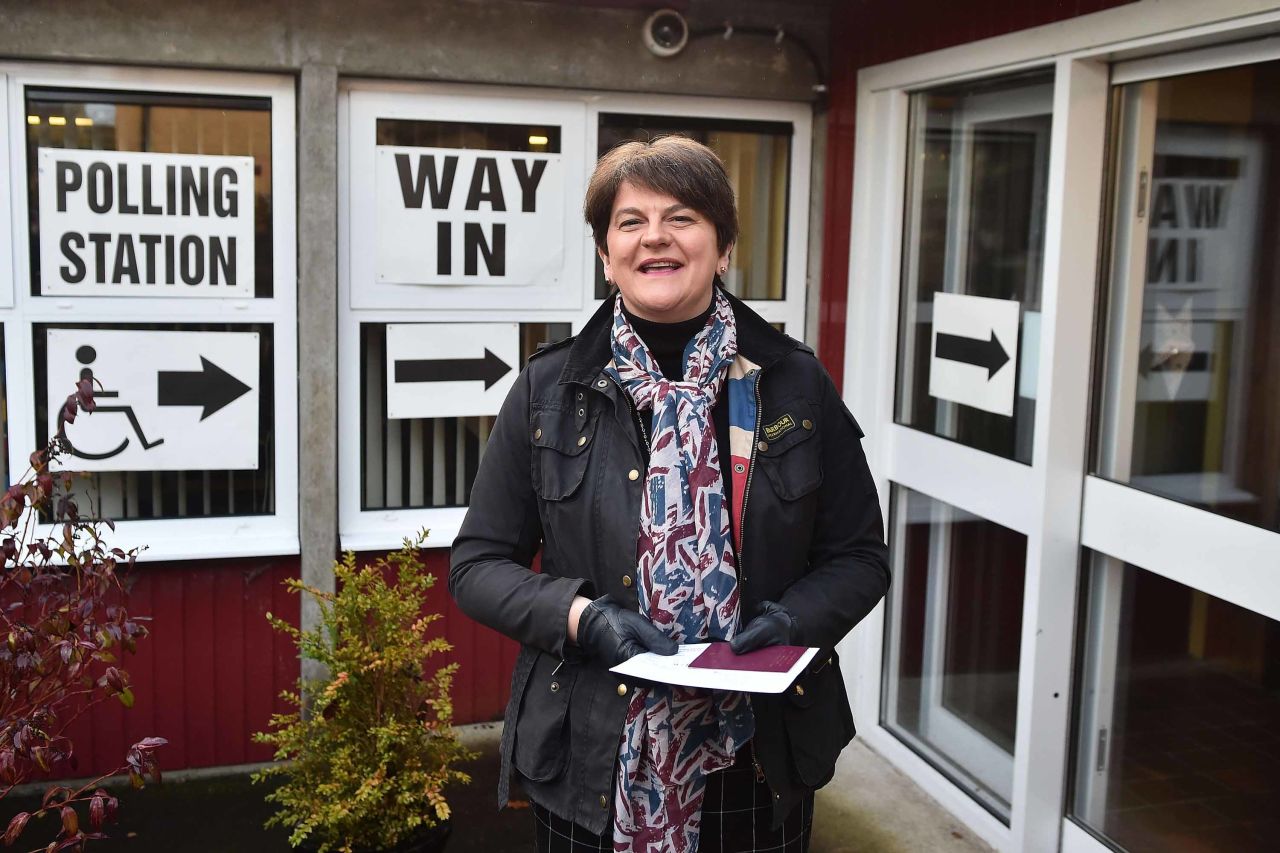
60 618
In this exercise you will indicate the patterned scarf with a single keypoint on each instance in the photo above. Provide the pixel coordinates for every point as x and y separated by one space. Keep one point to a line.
688 585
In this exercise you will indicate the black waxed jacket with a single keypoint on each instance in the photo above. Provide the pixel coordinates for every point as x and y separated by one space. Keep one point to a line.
812 539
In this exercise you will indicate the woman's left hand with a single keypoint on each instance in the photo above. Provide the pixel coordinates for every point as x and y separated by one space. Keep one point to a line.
773 626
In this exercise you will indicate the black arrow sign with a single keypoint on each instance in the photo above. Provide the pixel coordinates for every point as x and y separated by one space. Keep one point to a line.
989 354
210 387
490 369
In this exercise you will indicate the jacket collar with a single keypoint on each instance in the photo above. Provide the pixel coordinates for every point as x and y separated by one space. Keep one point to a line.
758 341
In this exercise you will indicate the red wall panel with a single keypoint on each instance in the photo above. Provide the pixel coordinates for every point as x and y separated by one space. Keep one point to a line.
209 674
869 32
212 669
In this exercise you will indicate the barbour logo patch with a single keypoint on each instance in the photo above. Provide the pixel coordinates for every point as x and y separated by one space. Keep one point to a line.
779 428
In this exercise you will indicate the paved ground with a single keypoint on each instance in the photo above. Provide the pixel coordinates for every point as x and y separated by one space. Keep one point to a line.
868 808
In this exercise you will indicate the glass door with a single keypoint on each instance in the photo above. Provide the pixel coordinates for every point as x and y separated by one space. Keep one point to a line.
977 176
1178 690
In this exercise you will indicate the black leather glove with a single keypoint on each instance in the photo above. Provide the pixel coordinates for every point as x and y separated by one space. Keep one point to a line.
612 633
773 626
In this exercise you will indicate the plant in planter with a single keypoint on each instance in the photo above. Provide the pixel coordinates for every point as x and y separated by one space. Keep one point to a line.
63 616
368 753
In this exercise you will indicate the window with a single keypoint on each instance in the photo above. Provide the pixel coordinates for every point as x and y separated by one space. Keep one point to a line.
1190 406
757 156
972 262
1175 740
420 463
467 250
952 641
158 253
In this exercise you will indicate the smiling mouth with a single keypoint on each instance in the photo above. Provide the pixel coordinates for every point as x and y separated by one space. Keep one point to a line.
660 267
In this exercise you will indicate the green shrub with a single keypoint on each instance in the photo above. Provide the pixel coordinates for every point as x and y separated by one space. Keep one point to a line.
366 764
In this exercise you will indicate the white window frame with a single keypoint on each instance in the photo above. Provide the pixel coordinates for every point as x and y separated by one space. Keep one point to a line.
1053 501
177 538
372 529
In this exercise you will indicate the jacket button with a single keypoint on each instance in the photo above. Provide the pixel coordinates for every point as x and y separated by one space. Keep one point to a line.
603 383
626 580
582 413
633 474
604 801
555 685
806 423
579 395
582 439
537 433
799 690
622 690
763 446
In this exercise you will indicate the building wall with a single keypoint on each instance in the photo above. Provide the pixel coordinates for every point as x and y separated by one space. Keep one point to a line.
212 670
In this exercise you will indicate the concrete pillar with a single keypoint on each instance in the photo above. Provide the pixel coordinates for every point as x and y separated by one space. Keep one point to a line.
317 333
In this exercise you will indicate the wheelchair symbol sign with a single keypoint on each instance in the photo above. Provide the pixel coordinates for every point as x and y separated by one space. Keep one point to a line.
165 400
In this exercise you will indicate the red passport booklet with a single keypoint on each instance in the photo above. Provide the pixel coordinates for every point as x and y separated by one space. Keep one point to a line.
768 659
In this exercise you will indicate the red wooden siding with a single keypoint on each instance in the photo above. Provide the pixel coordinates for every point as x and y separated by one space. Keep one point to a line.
869 32
209 674
212 670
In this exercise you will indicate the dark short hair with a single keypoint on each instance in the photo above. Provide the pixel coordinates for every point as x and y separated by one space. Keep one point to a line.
686 170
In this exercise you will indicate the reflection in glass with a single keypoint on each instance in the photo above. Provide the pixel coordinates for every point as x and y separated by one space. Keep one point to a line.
1191 406
414 463
757 156
976 182
1177 712
156 122
953 637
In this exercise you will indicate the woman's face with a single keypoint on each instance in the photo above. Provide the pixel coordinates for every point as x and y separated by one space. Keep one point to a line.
662 255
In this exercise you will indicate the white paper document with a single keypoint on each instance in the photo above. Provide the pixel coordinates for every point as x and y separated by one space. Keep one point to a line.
767 670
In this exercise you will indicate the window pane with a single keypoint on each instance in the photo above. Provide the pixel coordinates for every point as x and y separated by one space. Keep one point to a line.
129 495
1191 407
953 636
172 124
976 182
1180 696
757 156
4 421
543 139
415 463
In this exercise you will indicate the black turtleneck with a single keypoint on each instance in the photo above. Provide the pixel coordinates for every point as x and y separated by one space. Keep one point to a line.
666 343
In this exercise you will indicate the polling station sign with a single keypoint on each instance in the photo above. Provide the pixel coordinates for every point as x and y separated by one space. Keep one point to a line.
123 223
449 216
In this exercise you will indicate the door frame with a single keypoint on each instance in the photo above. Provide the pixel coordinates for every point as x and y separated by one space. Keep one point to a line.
1054 502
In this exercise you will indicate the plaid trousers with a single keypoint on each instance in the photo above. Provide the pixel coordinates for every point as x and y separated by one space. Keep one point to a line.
736 815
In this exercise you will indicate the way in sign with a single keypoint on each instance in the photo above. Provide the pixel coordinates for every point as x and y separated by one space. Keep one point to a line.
490 369
975 340
989 354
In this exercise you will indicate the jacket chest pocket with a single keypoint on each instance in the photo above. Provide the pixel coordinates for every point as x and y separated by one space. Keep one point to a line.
789 453
561 451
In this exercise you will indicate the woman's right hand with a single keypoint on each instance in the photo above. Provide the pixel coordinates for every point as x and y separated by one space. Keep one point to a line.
612 633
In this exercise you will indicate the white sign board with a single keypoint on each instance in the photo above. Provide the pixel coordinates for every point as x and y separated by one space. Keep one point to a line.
448 370
975 345
122 223
165 401
452 216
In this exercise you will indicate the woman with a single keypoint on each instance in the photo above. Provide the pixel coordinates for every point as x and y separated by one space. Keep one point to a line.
733 503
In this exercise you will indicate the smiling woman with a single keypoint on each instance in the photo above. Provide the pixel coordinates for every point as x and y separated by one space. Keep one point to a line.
625 456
